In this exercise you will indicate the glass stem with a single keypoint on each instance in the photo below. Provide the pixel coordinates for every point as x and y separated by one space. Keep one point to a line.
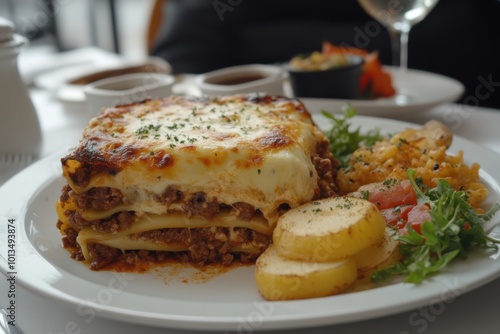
395 45
399 44
403 60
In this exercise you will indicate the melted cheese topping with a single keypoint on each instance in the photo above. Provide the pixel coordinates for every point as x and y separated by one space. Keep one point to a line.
234 149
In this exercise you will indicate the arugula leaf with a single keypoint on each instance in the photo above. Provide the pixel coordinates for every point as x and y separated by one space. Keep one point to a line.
343 141
455 228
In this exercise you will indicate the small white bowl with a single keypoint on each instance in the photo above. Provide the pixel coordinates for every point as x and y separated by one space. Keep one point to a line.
126 89
253 78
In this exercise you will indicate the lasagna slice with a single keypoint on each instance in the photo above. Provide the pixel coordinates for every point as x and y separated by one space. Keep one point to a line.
198 179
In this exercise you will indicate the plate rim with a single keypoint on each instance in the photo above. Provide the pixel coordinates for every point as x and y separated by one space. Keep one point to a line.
277 321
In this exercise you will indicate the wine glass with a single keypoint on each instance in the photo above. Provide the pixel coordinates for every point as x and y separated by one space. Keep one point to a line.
398 16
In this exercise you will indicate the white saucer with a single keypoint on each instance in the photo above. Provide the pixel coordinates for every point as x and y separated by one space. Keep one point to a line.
416 91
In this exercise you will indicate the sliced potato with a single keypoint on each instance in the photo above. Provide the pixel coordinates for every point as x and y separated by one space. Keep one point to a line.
329 229
279 278
374 255
364 281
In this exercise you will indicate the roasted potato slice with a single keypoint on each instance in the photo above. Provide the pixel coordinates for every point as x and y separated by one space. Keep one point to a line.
329 229
373 256
279 278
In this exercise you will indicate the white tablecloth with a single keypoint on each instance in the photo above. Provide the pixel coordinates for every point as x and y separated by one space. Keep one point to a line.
476 311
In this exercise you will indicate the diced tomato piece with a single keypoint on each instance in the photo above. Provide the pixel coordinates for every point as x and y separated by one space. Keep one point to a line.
397 202
398 216
467 226
418 215
387 196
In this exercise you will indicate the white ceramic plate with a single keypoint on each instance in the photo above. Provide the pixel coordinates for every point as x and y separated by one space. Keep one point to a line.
416 91
227 302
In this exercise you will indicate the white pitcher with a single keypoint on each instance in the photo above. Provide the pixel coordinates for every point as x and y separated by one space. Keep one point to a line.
19 126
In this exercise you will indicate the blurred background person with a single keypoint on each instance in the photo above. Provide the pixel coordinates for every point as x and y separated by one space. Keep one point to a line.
458 38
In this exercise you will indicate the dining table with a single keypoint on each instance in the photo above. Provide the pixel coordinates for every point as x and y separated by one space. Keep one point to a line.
474 311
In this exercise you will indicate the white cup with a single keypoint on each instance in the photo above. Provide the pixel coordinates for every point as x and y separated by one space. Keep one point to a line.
126 89
253 78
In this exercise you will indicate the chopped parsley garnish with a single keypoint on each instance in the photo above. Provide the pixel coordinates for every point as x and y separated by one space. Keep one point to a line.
390 182
401 142
144 130
365 194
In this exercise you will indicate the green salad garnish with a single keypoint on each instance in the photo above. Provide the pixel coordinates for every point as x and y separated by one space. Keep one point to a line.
455 226
343 140
454 229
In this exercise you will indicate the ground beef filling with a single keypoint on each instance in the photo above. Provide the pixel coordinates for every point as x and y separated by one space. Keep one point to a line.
107 198
114 223
326 166
99 198
203 245
69 242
